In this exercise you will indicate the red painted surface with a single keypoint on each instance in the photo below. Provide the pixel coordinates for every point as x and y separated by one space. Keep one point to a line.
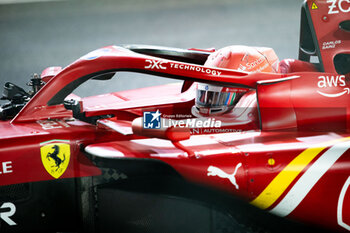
290 113
326 19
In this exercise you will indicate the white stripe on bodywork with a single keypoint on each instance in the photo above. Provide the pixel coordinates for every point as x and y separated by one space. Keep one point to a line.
308 180
340 205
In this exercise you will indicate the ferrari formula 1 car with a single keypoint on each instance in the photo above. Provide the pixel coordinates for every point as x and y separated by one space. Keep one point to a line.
117 162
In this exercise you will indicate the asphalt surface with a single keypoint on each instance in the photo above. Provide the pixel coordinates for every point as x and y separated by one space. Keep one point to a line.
34 36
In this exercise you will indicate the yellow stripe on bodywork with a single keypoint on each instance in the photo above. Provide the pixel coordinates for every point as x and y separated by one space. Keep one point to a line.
281 182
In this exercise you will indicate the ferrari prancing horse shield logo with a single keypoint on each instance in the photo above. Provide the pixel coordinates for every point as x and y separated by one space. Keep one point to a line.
55 156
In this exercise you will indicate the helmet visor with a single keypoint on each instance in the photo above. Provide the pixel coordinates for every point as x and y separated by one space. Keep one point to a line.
205 98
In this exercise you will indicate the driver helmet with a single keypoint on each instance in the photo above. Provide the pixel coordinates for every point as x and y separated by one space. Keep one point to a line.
214 100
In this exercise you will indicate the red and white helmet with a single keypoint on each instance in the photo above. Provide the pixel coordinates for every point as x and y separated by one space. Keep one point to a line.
215 100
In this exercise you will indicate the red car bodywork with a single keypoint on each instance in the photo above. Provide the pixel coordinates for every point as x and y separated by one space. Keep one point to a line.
291 158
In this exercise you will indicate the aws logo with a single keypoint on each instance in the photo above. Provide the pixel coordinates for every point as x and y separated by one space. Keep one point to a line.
332 81
55 156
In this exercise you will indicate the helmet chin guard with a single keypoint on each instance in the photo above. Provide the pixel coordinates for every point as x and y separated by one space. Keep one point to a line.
209 112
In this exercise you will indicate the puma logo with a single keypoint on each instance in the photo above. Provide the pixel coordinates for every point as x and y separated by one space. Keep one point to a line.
215 171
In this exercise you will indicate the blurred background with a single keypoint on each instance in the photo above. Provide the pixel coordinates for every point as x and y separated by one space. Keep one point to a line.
35 34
